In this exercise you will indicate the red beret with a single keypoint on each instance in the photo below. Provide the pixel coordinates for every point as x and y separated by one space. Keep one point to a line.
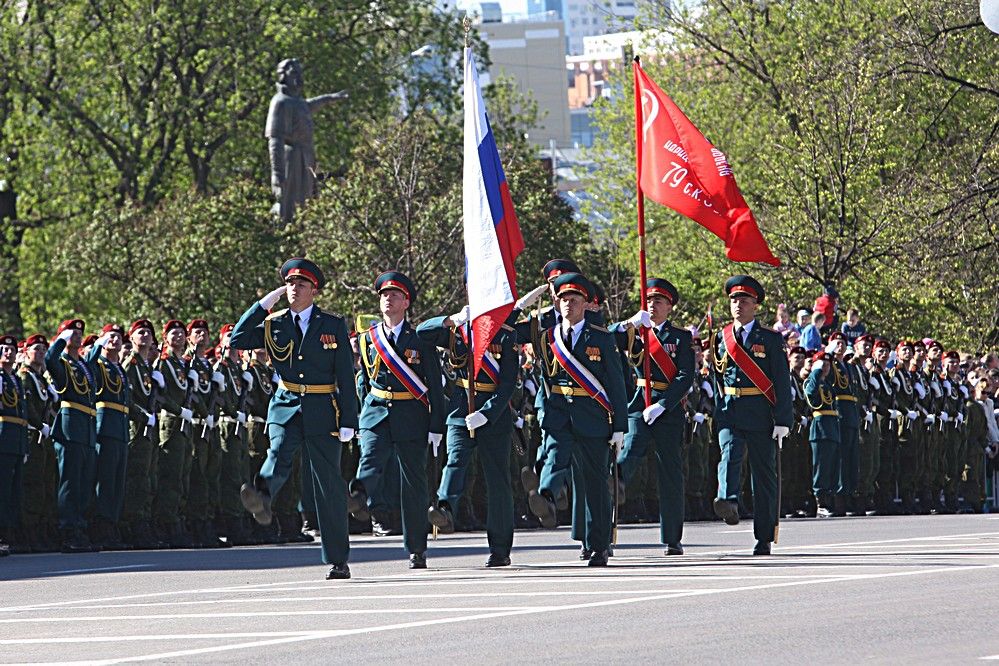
835 335
820 356
9 340
76 324
952 354
89 340
904 343
226 328
881 343
797 349
141 323
197 323
36 339
866 337
113 328
172 324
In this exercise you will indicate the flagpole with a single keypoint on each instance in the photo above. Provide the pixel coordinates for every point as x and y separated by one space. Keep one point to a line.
470 361
641 232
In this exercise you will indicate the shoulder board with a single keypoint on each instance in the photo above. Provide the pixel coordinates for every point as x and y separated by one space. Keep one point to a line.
275 315
335 315
768 330
594 327
506 327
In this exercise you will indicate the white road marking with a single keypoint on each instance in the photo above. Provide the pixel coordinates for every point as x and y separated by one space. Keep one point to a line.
321 635
97 569
148 637
281 613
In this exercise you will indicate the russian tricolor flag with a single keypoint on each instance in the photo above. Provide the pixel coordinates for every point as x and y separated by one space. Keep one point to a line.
492 234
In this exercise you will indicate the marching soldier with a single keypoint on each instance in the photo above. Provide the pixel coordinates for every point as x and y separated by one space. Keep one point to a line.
176 424
585 408
13 448
661 423
824 432
753 408
402 411
40 471
113 405
487 429
312 406
75 433
145 387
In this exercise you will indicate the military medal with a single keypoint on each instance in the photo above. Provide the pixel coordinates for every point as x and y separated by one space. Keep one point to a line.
759 351
328 341
593 353
412 356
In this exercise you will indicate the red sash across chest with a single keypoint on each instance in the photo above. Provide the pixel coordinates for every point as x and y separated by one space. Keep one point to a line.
748 366
659 354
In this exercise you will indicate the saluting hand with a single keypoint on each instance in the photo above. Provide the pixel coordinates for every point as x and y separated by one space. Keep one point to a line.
271 299
528 299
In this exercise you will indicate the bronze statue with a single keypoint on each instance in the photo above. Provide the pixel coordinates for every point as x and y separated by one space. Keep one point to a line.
289 134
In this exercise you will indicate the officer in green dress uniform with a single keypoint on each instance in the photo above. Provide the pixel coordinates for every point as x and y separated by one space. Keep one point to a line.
661 423
824 432
402 410
749 359
176 421
585 409
113 405
145 386
13 447
75 433
37 509
492 422
312 406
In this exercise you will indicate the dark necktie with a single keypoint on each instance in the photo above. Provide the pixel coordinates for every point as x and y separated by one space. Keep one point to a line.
568 338
392 338
298 329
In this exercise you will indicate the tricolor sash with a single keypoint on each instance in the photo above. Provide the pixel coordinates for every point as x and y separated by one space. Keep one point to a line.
748 365
398 367
489 363
578 371
658 354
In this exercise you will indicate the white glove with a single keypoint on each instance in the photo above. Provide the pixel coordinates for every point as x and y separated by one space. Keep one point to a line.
219 380
947 384
461 317
474 420
25 461
528 299
210 421
248 378
911 415
818 365
780 432
46 431
346 434
832 347
275 377
875 383
186 414
930 418
652 412
271 299
157 377
945 417
804 421
192 374
151 420
894 414
640 318
531 387
519 423
699 418
241 417
53 391
103 340
707 388
66 335
617 441
920 390
434 439
869 417
960 418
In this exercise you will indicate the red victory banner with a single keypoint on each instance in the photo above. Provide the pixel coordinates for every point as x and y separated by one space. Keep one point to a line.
679 168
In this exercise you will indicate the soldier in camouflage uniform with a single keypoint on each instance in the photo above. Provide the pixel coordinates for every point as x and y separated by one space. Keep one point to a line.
908 425
40 472
954 443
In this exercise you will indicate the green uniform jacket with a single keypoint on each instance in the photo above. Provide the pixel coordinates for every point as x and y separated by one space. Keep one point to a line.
820 396
678 344
753 412
844 386
13 436
140 383
583 415
494 406
324 357
74 380
112 389
422 357
39 402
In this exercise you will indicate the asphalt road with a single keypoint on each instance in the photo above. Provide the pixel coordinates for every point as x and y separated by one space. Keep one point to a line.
884 590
